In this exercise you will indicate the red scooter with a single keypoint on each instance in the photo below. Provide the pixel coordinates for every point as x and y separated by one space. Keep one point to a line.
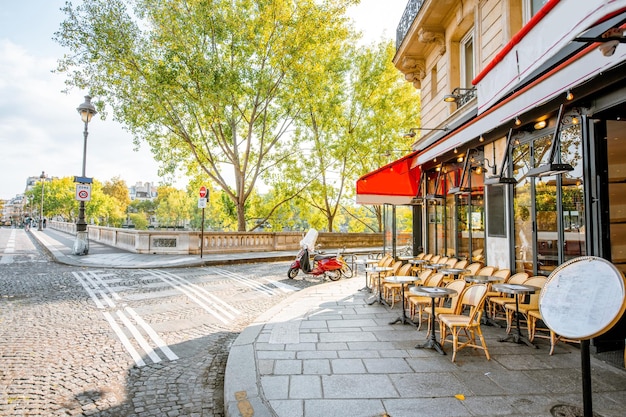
327 265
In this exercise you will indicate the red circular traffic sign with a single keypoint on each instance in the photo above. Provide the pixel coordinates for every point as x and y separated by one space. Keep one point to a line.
83 194
202 191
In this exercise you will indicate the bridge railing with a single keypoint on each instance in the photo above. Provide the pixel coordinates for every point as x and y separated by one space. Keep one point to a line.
188 242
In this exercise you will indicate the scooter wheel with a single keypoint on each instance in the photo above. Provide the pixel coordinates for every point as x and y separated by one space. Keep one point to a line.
292 273
334 275
346 271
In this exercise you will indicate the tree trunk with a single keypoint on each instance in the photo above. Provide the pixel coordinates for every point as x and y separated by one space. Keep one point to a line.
241 217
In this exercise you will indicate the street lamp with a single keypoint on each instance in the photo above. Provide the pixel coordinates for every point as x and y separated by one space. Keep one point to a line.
81 244
42 177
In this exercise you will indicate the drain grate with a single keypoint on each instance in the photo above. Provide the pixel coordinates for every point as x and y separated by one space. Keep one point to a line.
564 410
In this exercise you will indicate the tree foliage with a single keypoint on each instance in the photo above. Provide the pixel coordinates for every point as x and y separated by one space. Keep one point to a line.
209 85
353 126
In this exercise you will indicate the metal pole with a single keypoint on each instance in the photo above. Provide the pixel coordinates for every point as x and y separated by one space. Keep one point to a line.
202 235
43 181
81 245
586 374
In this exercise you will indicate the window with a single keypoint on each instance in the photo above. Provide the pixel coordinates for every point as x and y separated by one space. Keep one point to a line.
531 7
433 83
467 60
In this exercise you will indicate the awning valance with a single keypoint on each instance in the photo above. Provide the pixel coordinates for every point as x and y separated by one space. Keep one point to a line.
395 183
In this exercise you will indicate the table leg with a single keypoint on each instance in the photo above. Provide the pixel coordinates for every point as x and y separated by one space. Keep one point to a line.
517 337
403 318
432 342
366 288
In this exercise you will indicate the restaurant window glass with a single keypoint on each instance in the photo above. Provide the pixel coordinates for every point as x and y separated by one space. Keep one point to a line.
522 210
404 227
548 211
476 218
572 192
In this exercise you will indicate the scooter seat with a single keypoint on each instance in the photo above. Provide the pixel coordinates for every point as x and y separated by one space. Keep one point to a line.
320 257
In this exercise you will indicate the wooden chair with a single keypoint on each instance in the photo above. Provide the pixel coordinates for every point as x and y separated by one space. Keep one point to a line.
505 274
386 260
452 302
451 262
472 269
467 325
417 303
524 308
478 255
496 302
487 270
422 277
534 316
435 259
461 264
392 290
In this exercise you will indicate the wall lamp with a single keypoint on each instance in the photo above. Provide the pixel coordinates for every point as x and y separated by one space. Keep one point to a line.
460 95
551 167
411 133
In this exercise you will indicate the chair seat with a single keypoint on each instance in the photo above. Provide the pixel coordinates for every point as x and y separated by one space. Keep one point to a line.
454 320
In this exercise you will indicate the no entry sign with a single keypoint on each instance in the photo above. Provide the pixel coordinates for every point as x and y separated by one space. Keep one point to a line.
203 192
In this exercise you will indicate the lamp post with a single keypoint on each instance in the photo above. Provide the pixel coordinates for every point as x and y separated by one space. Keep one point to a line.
81 244
42 177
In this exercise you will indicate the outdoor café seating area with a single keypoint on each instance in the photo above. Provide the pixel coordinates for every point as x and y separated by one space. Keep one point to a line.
451 299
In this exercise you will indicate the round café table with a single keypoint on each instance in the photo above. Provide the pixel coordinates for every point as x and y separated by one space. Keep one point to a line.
516 289
434 293
402 279
418 264
366 262
435 267
453 271
378 270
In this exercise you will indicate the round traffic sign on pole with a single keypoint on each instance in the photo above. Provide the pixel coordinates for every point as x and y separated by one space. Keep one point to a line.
203 191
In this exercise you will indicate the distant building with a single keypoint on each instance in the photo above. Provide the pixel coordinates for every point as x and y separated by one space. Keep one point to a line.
13 210
142 191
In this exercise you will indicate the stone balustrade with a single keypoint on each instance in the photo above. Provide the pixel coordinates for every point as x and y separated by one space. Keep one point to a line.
188 242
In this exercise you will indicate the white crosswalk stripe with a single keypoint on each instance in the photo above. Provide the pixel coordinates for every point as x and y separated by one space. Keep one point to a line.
105 298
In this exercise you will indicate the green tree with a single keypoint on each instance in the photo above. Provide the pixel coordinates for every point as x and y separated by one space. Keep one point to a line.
213 85
352 124
140 221
173 207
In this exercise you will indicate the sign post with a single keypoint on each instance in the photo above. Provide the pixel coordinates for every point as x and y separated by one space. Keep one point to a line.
204 196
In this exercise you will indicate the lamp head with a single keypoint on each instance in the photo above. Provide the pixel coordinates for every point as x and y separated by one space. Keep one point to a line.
86 110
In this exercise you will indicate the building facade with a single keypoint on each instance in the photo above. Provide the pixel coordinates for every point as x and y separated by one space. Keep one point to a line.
521 157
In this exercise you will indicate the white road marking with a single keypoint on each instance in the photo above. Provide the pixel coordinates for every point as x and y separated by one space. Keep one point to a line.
99 291
248 282
153 335
120 335
196 296
7 255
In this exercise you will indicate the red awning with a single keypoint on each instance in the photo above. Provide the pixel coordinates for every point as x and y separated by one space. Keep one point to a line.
395 183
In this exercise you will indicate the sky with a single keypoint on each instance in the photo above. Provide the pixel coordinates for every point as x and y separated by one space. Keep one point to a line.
40 129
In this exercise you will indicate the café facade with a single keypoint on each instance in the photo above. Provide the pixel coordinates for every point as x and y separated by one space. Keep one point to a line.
520 157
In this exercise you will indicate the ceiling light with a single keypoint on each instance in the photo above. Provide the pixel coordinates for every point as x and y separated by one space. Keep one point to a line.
569 96
517 121
540 125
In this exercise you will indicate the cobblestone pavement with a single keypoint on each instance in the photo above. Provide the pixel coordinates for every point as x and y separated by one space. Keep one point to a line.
102 342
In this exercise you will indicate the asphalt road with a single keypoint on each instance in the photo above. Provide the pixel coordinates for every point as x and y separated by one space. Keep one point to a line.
111 342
